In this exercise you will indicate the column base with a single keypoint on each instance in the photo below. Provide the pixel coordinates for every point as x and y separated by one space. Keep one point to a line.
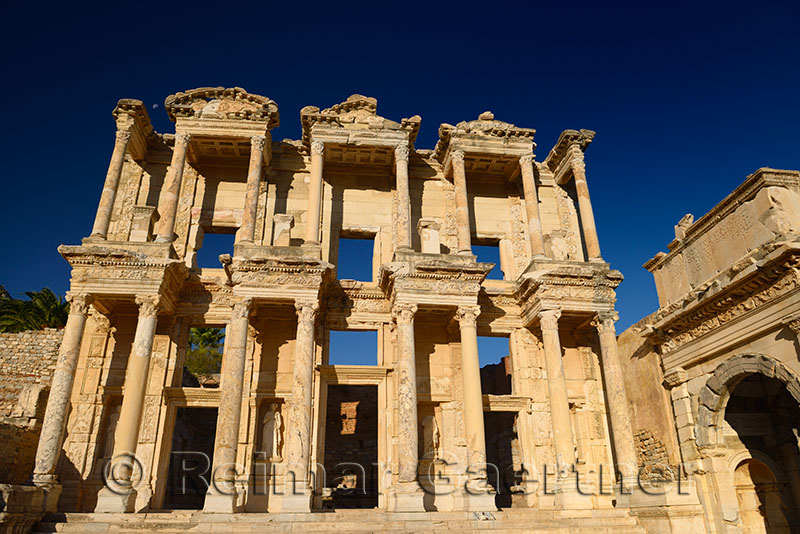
120 501
218 502
478 496
570 497
299 501
407 497
52 491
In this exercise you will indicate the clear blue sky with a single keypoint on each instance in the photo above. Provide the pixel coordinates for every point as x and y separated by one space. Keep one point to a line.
686 100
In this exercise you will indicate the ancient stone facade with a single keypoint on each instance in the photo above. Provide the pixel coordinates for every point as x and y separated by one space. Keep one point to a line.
718 365
552 441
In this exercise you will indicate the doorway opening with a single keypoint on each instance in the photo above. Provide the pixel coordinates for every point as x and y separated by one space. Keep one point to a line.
504 458
191 458
351 447
762 418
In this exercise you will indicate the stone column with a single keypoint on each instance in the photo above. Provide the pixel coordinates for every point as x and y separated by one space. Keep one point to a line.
122 497
585 205
55 416
221 496
616 397
248 229
403 217
462 203
409 495
408 456
314 193
557 391
297 496
477 484
168 201
532 205
103 218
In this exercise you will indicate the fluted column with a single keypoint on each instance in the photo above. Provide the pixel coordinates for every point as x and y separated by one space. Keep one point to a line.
403 218
314 193
557 391
616 397
585 205
462 203
221 496
248 229
532 205
298 442
408 443
55 416
122 497
109 194
168 201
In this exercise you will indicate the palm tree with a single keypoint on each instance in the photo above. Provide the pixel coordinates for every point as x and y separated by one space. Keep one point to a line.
204 354
44 310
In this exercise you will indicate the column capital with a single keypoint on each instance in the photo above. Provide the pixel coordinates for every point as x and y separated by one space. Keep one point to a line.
468 315
605 320
675 377
575 156
123 135
526 160
182 138
148 305
401 153
317 147
548 319
241 308
257 142
306 308
457 155
79 302
404 312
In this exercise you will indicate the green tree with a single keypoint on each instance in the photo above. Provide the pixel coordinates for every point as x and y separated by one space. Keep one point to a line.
44 309
204 353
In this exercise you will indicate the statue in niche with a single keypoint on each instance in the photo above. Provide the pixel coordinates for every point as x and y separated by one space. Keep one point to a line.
272 433
432 436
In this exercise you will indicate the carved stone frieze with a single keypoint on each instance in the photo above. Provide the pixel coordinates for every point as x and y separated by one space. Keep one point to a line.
678 327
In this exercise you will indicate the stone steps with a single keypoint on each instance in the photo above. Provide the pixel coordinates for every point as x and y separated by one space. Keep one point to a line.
351 521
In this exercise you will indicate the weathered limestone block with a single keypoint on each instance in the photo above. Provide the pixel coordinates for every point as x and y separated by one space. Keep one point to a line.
428 230
282 229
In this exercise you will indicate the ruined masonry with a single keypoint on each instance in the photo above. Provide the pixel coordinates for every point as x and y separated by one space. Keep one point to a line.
557 435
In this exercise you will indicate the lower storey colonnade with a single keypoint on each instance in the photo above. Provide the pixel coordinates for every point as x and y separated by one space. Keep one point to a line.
283 417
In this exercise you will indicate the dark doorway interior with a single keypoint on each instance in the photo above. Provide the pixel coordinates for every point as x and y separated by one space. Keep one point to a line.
191 458
351 447
503 457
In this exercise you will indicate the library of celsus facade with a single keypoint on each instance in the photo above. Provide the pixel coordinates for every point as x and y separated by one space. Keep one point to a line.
429 423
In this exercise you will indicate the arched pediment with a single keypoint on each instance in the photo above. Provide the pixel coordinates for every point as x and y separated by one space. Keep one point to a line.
358 112
222 103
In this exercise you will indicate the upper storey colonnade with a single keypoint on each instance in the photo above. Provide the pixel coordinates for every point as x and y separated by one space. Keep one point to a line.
211 123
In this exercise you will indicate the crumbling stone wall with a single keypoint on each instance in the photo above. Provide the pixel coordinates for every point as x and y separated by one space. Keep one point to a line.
26 358
653 457
27 361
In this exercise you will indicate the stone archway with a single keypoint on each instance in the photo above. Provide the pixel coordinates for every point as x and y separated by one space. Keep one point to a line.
715 393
